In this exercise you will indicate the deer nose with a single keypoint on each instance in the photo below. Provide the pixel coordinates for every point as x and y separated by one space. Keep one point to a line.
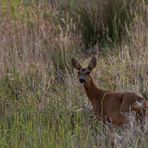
82 80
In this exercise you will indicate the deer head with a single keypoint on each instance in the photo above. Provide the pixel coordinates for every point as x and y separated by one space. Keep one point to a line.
84 73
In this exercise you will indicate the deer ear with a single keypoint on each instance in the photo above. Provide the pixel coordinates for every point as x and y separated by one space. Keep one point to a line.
92 63
75 64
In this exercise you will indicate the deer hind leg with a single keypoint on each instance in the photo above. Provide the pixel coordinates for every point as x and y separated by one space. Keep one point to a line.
126 104
125 108
131 104
138 107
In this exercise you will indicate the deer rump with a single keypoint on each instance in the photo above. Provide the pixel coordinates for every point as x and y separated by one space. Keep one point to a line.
115 107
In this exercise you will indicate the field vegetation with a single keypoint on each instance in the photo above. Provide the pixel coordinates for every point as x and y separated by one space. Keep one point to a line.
42 103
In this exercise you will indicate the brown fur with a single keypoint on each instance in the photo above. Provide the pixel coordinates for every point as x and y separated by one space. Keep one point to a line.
107 105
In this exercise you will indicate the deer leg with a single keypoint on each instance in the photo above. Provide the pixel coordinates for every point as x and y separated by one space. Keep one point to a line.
125 105
140 113
108 130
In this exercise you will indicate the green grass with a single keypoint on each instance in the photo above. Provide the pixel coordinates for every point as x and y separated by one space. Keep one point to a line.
42 103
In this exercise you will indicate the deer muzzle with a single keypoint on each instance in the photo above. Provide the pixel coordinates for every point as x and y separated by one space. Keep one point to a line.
82 80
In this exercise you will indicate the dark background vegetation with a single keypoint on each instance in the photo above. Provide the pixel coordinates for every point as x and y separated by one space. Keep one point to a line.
41 102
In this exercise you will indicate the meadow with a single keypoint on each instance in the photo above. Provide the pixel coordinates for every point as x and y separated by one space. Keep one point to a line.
42 103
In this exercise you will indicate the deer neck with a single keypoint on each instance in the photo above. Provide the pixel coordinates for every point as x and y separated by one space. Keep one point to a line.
94 94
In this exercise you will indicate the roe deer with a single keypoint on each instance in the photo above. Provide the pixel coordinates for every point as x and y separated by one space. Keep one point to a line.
107 105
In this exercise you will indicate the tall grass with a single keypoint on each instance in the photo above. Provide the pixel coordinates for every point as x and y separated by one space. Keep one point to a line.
105 22
41 101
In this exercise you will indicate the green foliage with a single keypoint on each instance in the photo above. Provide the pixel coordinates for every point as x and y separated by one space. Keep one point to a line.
38 40
107 22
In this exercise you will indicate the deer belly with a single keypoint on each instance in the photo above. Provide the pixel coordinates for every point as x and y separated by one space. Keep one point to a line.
116 117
